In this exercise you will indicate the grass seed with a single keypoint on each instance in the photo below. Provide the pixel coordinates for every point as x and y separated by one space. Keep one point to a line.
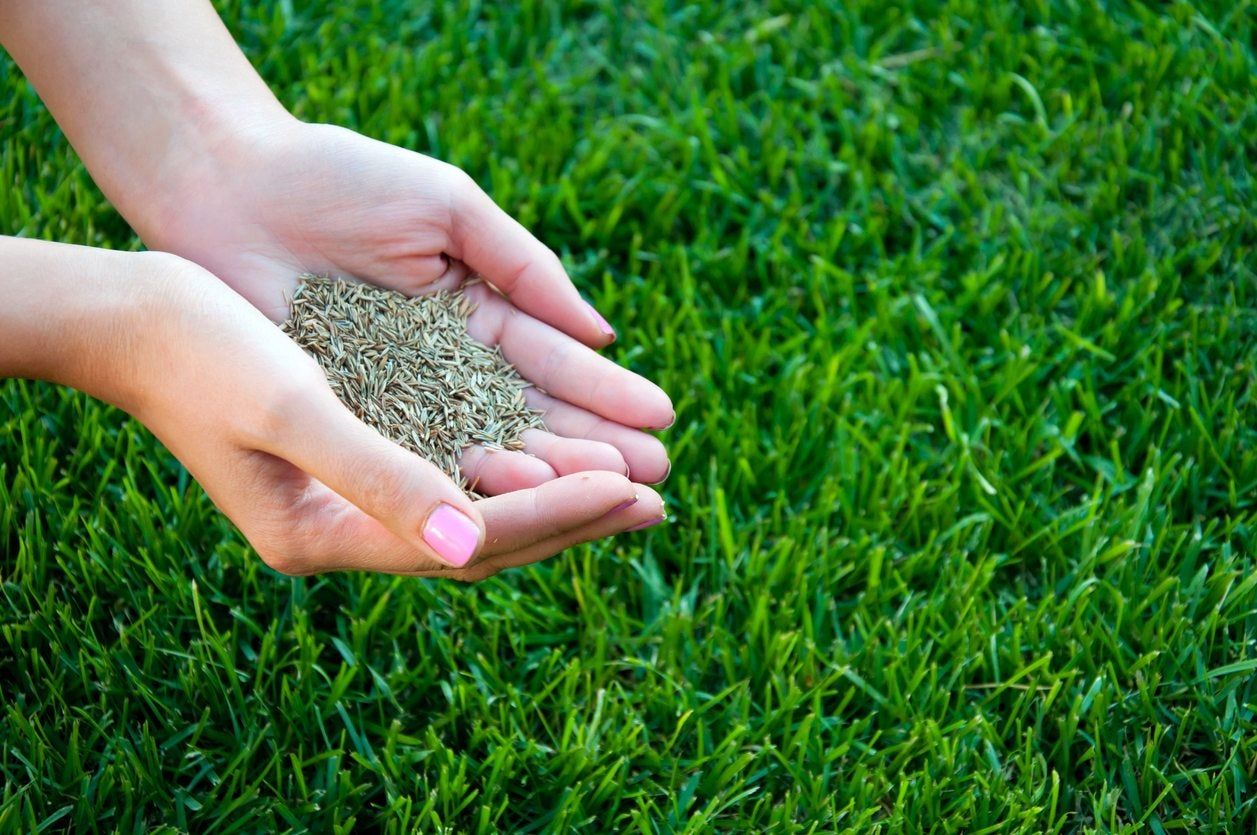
408 368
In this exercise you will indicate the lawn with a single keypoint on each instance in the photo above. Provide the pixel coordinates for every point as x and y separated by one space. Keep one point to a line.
958 304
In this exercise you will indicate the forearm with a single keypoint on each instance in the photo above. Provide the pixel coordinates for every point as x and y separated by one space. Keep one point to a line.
66 313
150 94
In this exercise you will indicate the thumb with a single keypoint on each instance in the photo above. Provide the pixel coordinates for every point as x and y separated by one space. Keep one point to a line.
314 431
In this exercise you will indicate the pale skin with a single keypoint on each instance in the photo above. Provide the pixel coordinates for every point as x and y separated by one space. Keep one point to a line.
198 155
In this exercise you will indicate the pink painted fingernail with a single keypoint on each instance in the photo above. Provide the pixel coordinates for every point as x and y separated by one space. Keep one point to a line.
622 505
649 523
452 534
603 324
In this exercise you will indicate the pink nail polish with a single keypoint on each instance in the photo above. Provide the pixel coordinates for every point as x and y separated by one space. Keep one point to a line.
452 534
622 505
603 324
649 523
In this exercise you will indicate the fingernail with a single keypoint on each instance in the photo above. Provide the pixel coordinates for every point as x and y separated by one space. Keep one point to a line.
622 505
603 324
452 534
666 473
667 425
650 523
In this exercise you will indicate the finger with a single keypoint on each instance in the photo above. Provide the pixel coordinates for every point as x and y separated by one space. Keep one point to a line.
573 455
564 367
309 427
646 457
497 247
524 527
493 471
646 512
525 517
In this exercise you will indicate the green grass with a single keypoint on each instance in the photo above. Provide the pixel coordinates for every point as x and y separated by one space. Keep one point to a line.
958 302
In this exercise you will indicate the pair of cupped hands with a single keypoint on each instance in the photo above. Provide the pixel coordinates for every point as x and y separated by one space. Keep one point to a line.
253 419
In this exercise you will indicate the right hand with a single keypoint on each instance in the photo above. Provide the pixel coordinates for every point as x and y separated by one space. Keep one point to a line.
254 420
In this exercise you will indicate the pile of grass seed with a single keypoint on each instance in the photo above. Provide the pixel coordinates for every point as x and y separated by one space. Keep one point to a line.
409 368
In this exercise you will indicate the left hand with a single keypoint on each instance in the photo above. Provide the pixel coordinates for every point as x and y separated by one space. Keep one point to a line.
321 199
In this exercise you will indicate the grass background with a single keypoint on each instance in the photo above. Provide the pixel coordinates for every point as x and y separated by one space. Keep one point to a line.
958 302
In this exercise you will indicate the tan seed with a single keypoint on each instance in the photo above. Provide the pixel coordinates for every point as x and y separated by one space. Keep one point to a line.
408 368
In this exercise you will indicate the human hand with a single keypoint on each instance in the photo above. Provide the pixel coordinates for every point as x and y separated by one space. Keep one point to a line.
255 422
301 198
188 143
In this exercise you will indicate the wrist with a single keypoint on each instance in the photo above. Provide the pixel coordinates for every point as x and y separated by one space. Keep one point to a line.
83 317
59 306
212 158
149 94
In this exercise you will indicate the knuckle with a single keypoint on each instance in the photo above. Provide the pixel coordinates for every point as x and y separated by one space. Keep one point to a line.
382 491
286 561
457 178
165 263
553 260
461 188
605 455
471 463
620 481
475 573
392 484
